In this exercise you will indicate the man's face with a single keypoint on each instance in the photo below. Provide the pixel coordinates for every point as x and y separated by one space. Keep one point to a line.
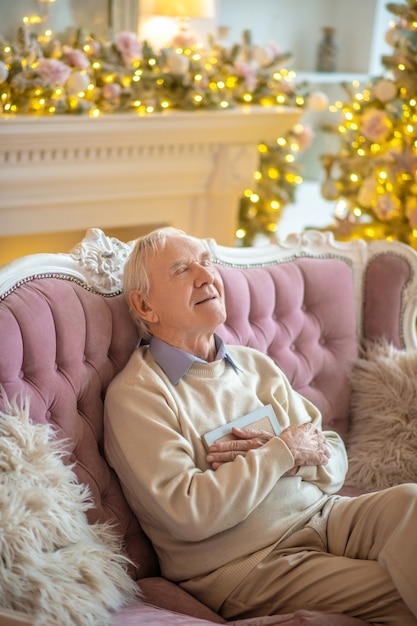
187 294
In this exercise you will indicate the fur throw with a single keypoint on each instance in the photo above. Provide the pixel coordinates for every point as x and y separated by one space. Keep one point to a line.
53 565
382 443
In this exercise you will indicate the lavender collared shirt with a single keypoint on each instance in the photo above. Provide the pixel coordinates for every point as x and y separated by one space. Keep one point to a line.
176 363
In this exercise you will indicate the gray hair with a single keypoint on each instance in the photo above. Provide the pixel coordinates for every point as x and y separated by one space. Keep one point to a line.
136 270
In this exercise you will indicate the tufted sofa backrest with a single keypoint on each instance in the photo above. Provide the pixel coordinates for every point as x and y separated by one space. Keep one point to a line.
301 313
63 338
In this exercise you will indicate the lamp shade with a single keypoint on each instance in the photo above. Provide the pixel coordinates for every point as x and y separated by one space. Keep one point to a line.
183 8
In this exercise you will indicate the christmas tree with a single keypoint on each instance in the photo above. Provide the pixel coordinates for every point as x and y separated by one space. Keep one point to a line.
373 175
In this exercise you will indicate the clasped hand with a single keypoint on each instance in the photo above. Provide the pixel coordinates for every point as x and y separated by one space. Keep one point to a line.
306 443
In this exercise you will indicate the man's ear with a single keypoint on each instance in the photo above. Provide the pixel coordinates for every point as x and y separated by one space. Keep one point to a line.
141 306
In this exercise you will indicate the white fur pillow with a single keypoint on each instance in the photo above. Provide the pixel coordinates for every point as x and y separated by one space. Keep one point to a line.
382 443
53 564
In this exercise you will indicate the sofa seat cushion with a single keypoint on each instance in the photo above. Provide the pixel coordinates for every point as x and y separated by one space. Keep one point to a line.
302 314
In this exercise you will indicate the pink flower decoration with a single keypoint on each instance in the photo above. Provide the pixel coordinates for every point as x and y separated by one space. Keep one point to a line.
76 58
304 135
247 72
128 46
184 40
111 91
376 126
387 207
55 72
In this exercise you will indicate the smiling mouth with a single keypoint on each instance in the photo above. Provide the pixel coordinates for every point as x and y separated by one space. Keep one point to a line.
207 299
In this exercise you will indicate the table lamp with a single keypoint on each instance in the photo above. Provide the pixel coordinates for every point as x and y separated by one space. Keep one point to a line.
183 10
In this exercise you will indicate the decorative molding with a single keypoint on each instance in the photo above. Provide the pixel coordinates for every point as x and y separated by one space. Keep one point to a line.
187 169
103 258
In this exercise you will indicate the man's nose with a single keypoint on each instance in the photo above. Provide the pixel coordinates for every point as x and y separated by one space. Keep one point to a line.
202 274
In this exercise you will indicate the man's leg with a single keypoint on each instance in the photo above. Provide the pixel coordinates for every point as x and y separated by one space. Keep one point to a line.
344 576
381 527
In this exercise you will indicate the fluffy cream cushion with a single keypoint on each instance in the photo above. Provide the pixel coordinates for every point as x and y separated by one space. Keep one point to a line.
53 564
382 444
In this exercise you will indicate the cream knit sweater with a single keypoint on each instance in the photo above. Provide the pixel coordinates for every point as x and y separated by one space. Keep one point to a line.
211 526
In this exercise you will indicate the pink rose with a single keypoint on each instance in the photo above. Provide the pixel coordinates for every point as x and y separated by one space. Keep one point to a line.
184 40
111 91
128 46
376 125
76 58
303 135
247 72
55 72
387 207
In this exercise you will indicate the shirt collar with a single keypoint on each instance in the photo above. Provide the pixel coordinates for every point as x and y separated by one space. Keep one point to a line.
176 363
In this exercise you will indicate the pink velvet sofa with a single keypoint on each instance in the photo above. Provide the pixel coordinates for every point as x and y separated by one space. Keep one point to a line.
308 302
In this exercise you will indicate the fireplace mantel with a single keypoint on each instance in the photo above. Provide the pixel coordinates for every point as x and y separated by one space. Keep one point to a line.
187 169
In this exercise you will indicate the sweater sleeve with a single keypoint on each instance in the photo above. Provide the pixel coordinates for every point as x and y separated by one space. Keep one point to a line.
330 477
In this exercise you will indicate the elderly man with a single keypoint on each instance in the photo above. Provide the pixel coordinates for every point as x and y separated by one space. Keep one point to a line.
252 526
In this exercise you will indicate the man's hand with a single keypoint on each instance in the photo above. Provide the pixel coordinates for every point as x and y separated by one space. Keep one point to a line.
226 451
305 442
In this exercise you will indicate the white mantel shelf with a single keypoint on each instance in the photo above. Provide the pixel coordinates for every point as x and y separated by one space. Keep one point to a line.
187 169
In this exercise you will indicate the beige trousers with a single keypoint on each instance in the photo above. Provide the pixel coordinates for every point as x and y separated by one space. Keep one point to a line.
358 557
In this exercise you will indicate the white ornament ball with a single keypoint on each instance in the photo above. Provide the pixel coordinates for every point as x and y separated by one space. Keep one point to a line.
178 64
4 72
317 101
385 90
77 83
